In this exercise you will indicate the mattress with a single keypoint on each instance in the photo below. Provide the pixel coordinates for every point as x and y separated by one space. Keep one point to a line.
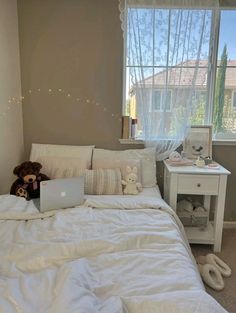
118 254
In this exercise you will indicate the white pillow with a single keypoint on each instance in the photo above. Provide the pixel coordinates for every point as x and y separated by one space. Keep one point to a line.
62 167
147 157
103 182
118 163
45 150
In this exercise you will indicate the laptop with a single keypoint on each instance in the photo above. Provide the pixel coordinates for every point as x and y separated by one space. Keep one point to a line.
60 193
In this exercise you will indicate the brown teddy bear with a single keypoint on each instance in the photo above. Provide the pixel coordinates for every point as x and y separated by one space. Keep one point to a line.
28 183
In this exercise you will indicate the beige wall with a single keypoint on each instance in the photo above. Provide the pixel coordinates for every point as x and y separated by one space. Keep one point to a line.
76 45
11 131
228 3
226 155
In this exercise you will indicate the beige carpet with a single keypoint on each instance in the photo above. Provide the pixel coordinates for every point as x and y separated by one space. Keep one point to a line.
226 297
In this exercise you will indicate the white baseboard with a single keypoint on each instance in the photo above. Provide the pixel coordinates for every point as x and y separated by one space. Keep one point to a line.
229 225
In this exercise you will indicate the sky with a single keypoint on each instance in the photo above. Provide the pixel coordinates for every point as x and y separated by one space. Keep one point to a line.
228 33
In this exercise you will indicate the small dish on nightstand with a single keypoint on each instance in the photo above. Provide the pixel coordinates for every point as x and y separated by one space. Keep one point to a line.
182 162
213 166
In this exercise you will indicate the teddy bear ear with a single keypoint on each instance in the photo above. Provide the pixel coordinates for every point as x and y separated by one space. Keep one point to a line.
135 170
37 166
16 170
128 169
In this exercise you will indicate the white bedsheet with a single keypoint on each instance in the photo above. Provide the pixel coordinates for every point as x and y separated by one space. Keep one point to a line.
99 260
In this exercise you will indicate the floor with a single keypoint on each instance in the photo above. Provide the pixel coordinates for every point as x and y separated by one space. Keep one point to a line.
226 297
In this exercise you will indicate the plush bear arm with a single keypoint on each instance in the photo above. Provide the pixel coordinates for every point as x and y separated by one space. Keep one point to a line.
18 190
14 186
23 193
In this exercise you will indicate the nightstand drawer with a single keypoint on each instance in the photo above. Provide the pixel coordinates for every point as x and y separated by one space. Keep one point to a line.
198 184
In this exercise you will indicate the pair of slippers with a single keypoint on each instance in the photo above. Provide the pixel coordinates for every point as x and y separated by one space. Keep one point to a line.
212 270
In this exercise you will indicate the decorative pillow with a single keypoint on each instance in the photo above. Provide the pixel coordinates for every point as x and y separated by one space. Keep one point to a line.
147 157
45 150
62 167
103 182
118 163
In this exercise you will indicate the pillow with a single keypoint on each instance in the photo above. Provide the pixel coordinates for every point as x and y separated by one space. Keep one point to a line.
62 167
146 156
103 182
118 163
44 150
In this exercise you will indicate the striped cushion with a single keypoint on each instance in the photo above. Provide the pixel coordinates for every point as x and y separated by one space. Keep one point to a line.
103 182
146 156
118 163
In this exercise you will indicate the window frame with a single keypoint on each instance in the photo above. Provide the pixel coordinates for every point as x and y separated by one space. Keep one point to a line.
233 97
161 92
212 70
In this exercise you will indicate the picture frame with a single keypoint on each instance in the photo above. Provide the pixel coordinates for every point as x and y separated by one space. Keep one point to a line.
198 142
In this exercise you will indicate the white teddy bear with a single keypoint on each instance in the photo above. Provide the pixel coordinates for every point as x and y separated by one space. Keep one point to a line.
132 187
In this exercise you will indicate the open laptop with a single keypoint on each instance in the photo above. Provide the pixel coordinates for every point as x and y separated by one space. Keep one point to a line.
60 193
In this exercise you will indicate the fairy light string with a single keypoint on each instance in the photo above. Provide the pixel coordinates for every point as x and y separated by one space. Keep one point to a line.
12 101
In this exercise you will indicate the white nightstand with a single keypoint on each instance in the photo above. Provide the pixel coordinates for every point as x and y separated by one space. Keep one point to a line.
192 180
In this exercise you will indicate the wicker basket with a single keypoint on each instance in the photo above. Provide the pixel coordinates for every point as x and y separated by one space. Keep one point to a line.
194 219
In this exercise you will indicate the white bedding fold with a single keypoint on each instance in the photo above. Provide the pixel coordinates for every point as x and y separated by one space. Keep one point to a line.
12 204
196 301
102 260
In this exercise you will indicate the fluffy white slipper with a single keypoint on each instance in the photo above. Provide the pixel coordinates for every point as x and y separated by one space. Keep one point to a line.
224 269
201 259
211 276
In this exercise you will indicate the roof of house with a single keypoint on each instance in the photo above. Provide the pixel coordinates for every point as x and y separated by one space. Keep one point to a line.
183 75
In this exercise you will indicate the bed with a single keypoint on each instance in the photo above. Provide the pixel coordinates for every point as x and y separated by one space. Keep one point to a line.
113 254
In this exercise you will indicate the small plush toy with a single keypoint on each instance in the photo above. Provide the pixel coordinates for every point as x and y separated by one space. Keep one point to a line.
132 187
175 156
28 183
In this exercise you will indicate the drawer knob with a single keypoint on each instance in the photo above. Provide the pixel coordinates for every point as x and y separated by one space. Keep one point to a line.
199 185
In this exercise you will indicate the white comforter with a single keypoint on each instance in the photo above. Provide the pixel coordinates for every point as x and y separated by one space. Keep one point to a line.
99 259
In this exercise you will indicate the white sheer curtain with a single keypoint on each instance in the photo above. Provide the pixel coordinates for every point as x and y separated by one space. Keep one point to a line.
167 64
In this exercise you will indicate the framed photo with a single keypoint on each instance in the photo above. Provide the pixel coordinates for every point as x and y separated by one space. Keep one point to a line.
198 142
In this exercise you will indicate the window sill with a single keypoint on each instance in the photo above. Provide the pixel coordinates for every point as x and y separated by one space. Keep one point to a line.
223 142
215 142
131 141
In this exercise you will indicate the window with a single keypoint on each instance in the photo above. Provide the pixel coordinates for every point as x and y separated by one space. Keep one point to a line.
234 99
159 99
224 114
214 102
